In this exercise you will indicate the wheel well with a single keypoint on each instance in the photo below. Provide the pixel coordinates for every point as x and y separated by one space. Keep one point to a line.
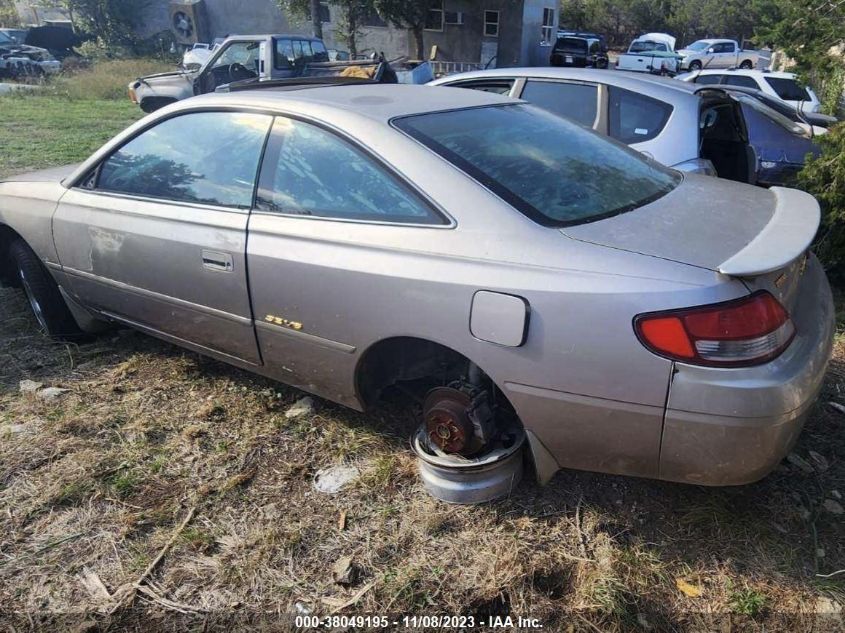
405 359
7 267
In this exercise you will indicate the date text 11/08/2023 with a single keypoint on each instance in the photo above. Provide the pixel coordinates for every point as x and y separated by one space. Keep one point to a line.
417 622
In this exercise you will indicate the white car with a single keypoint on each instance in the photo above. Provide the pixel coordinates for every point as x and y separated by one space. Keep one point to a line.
783 86
716 54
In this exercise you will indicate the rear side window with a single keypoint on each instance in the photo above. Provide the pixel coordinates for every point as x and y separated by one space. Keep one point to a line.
203 157
284 54
742 80
634 118
575 101
709 79
554 171
788 89
497 86
310 171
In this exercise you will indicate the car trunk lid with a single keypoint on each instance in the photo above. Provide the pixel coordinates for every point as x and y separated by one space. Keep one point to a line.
758 235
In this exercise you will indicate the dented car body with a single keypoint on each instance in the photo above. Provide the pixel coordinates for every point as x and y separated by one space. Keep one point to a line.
342 239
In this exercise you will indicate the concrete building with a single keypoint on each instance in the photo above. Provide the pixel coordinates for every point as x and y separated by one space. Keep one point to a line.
495 32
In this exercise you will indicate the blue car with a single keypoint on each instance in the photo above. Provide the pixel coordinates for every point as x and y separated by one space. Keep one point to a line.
781 145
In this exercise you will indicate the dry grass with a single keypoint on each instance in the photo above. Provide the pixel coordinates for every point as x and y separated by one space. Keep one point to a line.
93 486
106 79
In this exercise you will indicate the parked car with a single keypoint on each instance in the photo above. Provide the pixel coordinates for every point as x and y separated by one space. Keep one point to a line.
238 58
783 86
651 53
668 120
581 51
814 122
21 60
780 144
18 36
345 239
717 54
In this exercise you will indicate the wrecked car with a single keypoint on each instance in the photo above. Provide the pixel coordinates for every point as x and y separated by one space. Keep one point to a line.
525 278
21 60
650 53
238 58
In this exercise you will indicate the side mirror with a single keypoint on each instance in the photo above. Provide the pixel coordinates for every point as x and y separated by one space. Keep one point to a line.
710 51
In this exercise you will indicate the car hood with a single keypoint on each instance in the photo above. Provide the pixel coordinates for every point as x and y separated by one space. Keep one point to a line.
168 77
716 224
24 49
54 174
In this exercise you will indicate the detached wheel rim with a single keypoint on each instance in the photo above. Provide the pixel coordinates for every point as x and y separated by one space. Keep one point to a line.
33 302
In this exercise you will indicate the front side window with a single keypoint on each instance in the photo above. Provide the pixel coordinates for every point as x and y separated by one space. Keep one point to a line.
634 118
788 89
243 53
312 172
575 101
491 23
202 157
552 170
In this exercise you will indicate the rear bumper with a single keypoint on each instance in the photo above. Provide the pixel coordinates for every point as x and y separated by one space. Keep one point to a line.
733 426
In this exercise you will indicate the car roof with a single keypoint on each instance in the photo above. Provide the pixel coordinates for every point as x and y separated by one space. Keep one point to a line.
747 73
662 86
379 102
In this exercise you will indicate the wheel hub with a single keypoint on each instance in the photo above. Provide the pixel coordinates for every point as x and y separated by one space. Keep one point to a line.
447 422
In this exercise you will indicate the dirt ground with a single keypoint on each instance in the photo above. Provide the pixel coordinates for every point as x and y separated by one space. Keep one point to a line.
153 450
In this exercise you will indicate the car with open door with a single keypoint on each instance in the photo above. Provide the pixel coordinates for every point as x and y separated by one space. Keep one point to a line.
525 276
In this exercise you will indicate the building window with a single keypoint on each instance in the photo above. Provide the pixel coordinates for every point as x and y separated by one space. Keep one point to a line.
491 23
434 19
548 33
372 18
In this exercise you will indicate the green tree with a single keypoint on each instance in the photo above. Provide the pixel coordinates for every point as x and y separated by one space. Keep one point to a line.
8 14
308 10
112 22
408 14
352 13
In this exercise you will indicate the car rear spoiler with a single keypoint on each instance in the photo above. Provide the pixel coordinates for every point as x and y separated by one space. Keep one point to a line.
789 233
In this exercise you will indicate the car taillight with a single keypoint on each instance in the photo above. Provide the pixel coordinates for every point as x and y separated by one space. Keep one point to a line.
743 332
132 96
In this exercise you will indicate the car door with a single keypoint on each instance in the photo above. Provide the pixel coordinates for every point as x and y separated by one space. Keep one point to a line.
156 235
576 100
235 61
321 200
725 56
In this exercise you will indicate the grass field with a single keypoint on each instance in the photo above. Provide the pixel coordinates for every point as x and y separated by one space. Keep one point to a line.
97 483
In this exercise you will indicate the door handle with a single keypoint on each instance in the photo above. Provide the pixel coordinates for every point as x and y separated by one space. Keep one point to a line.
217 261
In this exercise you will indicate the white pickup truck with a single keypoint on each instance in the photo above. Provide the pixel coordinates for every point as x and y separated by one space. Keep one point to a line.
703 54
650 53
238 58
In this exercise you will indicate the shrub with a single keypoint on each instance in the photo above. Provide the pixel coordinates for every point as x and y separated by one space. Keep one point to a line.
824 177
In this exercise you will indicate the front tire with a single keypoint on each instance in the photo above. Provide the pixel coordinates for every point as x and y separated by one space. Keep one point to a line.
43 293
694 65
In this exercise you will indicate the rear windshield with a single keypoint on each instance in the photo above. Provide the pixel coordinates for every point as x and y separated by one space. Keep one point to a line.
571 45
788 89
549 168
642 47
